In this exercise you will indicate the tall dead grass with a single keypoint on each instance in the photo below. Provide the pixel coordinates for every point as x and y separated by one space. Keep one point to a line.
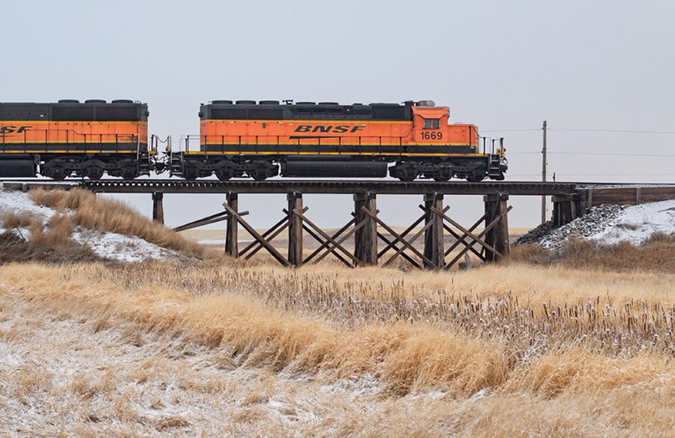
657 254
493 364
107 215
461 346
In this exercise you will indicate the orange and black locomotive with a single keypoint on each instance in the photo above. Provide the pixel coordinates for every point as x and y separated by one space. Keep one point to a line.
307 139
85 139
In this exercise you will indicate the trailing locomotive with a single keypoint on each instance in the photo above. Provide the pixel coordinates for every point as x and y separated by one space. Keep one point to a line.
305 139
72 138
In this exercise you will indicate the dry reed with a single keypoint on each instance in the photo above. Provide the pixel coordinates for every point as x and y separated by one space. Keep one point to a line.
501 365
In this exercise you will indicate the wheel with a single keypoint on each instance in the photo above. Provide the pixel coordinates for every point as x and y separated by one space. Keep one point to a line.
95 172
129 173
444 175
224 173
408 174
476 176
190 173
59 173
259 176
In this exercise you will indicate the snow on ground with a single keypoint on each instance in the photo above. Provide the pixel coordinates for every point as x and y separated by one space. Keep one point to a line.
115 246
636 224
110 246
20 202
609 224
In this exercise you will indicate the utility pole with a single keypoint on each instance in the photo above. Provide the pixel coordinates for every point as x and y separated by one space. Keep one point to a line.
543 174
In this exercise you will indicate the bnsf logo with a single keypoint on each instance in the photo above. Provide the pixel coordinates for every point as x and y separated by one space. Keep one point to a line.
339 129
14 129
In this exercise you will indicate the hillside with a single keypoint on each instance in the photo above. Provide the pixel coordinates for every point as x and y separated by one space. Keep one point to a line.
76 225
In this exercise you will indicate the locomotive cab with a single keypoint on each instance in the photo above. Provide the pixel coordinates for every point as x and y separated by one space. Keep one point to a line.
431 126
430 123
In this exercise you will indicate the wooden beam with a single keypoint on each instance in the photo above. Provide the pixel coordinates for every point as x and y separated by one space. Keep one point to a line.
257 236
320 240
467 232
158 207
365 239
265 235
232 230
269 239
218 217
434 237
403 254
400 239
481 234
460 240
392 244
328 238
295 243
325 243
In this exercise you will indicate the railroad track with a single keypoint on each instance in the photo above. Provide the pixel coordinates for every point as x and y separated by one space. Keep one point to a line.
515 188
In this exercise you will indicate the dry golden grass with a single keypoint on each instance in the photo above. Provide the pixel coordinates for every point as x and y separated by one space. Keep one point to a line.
101 214
656 255
508 349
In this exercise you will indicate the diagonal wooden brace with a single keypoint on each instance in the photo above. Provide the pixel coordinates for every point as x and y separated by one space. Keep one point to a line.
403 254
218 217
254 244
322 242
481 234
337 243
466 232
403 241
257 236
325 243
327 237
269 239
392 244
460 240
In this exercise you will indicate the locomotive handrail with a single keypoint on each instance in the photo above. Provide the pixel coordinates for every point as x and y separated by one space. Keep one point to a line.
10 139
240 140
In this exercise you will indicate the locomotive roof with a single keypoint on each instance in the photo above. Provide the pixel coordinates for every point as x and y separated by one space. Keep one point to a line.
273 110
73 110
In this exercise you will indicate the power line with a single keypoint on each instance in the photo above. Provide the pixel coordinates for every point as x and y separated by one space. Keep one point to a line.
620 131
558 174
512 130
602 154
613 154
615 131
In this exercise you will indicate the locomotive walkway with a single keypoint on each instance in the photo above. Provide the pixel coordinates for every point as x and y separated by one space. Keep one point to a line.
570 200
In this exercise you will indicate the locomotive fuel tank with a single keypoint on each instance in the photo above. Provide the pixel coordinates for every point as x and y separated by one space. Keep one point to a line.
337 168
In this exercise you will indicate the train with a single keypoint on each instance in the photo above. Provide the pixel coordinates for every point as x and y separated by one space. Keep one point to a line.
247 139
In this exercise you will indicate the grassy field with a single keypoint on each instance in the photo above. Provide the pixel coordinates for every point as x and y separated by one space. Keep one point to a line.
252 348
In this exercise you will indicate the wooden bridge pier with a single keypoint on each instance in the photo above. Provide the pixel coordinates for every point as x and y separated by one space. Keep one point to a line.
232 235
295 230
365 238
158 207
434 241
566 208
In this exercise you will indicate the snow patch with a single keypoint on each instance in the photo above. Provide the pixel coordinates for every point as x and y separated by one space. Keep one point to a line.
637 224
111 246
20 202
609 225
115 246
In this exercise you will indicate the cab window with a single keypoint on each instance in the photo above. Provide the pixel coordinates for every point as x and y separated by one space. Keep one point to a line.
432 123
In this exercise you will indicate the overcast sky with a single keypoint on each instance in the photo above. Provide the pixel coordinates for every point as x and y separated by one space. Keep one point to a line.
503 65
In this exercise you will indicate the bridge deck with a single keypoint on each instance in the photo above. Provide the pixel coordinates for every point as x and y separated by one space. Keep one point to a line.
625 193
